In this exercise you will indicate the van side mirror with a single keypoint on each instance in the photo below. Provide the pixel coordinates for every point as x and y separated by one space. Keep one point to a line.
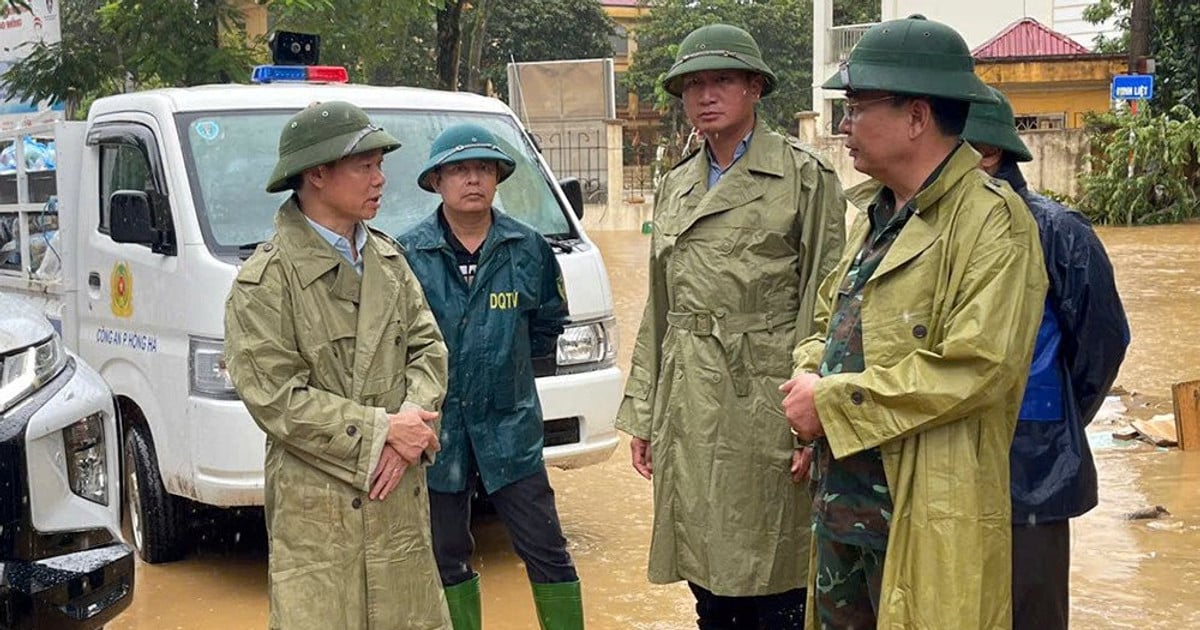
574 192
131 220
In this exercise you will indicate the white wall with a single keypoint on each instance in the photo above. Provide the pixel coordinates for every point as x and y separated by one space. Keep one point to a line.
976 20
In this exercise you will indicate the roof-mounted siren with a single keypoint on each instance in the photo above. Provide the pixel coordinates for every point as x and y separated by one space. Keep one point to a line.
294 58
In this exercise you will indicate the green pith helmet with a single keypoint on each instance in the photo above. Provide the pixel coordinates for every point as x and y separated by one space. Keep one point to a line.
323 133
912 56
717 47
462 142
995 125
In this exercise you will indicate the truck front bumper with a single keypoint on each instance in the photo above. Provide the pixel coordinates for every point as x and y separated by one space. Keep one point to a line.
76 591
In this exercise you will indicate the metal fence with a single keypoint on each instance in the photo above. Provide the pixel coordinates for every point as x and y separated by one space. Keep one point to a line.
843 38
577 151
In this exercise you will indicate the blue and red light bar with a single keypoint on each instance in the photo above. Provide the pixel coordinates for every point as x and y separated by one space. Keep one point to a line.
299 74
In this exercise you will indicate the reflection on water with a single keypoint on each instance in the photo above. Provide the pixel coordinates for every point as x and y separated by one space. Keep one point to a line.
1158 274
1126 574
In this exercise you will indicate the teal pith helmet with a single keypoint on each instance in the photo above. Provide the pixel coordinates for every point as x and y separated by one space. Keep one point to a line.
462 142
995 125
323 133
717 47
913 56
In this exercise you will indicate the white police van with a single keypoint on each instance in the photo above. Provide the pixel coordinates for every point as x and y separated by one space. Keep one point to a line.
157 200
62 561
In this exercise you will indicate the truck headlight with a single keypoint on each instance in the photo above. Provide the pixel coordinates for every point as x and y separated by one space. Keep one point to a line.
209 376
87 469
587 346
26 370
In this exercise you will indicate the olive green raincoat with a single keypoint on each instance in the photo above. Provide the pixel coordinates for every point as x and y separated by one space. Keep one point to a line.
949 320
733 278
320 356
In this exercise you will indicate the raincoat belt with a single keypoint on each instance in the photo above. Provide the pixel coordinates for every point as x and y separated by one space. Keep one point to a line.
730 329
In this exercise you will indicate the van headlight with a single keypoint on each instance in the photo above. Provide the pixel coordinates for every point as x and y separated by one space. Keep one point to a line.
209 376
87 469
24 371
587 346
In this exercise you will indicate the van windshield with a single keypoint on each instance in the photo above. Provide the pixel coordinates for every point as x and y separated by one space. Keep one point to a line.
230 155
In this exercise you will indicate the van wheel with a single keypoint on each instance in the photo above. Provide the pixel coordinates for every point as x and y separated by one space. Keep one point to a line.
155 516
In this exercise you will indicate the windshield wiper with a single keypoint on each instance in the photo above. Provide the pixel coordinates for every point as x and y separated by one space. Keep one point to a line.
564 244
246 249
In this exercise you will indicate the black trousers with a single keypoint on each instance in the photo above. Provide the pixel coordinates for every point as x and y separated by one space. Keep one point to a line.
1041 576
527 510
784 611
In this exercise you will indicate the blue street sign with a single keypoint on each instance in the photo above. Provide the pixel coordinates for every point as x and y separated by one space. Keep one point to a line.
1132 87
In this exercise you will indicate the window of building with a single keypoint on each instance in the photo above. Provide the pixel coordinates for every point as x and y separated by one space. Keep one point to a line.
1033 122
620 41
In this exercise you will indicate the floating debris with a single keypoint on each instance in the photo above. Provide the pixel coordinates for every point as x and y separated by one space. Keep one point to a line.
1157 511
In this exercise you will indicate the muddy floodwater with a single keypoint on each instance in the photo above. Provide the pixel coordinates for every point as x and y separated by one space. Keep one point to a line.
1126 573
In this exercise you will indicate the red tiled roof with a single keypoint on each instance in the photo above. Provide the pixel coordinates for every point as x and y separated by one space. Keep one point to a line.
1028 37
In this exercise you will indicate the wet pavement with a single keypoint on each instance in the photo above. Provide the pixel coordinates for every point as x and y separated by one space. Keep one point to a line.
1126 573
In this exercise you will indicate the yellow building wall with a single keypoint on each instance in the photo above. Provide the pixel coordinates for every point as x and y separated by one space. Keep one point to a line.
1071 87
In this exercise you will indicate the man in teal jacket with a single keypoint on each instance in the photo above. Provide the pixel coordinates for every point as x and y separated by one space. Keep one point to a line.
496 291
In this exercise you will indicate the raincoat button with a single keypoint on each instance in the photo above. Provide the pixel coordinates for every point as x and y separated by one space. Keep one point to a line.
417 491
352 430
268 247
716 378
919 331
356 503
856 397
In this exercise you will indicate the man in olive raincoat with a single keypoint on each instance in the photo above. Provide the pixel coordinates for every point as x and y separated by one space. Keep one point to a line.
496 290
925 330
745 227
337 357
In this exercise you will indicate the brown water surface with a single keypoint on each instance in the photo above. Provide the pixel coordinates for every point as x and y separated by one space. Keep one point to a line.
1126 574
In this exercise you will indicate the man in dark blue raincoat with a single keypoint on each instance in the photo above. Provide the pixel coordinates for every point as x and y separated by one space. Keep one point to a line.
496 290
1080 345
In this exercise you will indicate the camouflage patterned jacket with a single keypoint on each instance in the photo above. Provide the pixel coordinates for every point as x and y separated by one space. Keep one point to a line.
949 319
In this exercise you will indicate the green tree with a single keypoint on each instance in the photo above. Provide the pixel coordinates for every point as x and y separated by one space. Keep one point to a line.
534 31
111 46
1174 45
1162 185
84 64
380 43
855 12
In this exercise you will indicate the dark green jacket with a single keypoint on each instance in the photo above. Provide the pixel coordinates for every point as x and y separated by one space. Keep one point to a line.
513 310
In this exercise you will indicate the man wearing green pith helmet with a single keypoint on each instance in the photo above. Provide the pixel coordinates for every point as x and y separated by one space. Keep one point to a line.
911 384
745 227
338 359
495 287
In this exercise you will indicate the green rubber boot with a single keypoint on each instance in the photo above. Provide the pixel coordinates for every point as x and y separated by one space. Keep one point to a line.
559 606
463 601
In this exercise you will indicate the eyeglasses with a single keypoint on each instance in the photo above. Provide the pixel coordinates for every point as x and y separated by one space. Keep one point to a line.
851 110
366 131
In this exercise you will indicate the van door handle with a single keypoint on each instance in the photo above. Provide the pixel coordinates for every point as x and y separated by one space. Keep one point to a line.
94 280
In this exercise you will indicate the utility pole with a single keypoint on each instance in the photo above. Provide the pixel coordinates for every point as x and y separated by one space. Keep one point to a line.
1139 34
